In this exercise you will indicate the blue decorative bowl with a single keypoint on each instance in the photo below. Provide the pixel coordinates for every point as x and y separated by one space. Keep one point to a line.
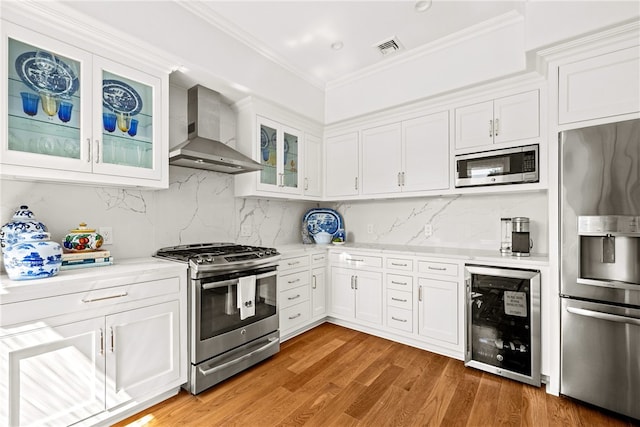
33 256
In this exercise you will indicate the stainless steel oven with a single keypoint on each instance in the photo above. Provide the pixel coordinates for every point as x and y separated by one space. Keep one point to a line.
223 340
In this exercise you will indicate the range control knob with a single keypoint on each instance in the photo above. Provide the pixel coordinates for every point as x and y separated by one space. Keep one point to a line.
209 260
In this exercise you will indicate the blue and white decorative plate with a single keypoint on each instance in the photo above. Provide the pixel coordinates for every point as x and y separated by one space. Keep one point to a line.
119 97
317 220
43 72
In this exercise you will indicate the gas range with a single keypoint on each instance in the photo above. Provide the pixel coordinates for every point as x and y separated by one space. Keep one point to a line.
213 258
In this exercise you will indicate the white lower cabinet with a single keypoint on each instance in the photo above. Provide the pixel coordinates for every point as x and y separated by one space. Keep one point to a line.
140 351
438 310
88 356
53 375
356 294
301 291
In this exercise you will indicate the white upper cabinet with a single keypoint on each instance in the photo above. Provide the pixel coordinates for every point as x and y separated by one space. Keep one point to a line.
382 159
277 139
602 86
507 119
425 153
312 166
412 155
342 168
72 110
280 154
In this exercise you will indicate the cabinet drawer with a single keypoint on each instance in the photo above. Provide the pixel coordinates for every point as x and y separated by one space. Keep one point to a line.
293 263
399 299
293 280
99 298
319 258
293 296
398 318
295 315
440 268
357 260
401 283
400 264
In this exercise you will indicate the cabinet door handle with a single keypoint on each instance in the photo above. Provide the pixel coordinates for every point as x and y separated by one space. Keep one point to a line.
295 316
490 128
88 150
292 298
355 260
293 263
437 268
112 341
497 127
399 179
306 184
356 282
101 341
398 299
399 283
356 183
124 294
293 281
97 153
313 281
402 179
399 264
419 293
352 277
399 320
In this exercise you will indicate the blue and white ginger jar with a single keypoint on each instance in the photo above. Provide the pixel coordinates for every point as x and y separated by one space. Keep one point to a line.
33 256
23 222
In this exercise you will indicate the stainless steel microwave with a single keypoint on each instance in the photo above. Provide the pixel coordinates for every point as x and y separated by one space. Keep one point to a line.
506 166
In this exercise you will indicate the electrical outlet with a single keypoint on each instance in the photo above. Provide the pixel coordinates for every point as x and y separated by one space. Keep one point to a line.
428 229
107 235
369 228
245 230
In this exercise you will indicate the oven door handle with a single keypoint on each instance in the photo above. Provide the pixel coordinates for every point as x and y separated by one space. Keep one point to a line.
232 282
604 316
271 343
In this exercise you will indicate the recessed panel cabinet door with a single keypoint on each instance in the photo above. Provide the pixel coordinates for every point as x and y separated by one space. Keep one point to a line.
425 152
438 310
474 125
342 292
516 117
342 168
381 159
141 351
369 296
52 375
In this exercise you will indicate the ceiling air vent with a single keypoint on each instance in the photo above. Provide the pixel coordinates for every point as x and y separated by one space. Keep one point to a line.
388 46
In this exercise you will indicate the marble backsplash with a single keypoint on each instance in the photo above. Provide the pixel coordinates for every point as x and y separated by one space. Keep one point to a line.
462 221
199 206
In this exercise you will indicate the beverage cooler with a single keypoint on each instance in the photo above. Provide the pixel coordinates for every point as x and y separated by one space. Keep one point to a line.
503 322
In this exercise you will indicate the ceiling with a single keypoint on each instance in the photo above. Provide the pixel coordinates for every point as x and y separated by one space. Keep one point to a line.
299 34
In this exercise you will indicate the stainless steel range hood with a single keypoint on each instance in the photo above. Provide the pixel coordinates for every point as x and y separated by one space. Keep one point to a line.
203 149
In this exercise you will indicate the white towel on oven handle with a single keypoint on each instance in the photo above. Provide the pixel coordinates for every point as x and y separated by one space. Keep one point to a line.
247 296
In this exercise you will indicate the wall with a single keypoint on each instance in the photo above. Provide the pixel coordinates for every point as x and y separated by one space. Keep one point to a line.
463 221
199 206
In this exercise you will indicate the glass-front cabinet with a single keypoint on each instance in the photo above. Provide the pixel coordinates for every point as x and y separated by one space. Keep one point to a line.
280 154
66 109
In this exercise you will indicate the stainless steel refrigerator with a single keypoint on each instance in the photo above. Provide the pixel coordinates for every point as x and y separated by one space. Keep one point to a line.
600 266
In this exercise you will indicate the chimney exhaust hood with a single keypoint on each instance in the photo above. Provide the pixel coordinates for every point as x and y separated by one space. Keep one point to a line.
203 149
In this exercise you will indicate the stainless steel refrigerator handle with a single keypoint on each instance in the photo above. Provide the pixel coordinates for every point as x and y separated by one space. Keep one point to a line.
604 316
608 283
271 343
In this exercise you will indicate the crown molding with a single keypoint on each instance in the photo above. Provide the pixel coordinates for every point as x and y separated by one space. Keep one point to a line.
485 27
83 30
204 12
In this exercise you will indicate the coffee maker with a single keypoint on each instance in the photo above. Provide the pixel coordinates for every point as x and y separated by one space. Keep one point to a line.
521 241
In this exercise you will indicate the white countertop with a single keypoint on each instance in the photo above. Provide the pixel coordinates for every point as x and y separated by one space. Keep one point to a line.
471 255
82 279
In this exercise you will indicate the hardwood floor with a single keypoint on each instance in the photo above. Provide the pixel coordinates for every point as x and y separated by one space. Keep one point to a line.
336 376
